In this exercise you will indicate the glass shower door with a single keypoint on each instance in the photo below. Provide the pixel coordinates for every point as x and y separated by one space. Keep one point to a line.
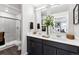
10 30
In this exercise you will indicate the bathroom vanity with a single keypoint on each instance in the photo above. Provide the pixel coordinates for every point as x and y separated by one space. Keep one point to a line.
38 45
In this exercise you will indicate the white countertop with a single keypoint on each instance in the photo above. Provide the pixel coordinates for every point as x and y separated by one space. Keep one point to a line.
61 39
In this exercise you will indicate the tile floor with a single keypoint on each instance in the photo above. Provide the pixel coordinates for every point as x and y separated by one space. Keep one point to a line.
10 51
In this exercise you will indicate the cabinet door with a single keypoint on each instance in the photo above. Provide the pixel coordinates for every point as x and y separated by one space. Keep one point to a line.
64 52
36 48
49 50
28 45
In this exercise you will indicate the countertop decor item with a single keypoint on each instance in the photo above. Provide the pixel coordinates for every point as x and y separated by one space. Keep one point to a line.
70 36
48 21
34 32
44 28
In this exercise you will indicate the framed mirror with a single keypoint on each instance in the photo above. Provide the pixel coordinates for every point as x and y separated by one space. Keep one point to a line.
60 21
61 15
61 24
76 14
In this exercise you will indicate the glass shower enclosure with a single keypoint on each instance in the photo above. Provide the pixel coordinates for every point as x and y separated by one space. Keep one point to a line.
11 28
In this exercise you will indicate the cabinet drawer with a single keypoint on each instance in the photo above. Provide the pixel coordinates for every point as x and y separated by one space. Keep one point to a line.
65 52
62 46
34 39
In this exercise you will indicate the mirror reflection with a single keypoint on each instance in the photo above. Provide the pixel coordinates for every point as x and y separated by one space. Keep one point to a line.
60 18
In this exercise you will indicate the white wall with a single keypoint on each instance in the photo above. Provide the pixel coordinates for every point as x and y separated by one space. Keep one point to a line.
38 19
70 22
18 26
19 16
18 30
7 14
28 16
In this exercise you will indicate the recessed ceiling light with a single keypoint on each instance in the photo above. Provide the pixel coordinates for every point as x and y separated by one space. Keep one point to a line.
6 10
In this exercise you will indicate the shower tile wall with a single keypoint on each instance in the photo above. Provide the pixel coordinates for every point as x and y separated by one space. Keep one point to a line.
9 27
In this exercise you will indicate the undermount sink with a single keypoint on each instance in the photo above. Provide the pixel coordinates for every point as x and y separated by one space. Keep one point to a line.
53 36
45 36
58 35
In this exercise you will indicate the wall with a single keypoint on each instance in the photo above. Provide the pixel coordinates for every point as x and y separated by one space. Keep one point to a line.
18 30
76 31
18 27
70 22
28 16
7 14
38 20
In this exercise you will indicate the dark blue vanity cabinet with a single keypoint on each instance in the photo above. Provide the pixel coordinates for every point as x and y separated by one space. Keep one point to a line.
59 48
64 52
37 46
34 46
49 50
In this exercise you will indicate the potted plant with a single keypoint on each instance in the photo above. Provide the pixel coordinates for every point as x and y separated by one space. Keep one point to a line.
48 21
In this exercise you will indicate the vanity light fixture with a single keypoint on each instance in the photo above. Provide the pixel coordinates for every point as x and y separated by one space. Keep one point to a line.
38 26
31 25
6 9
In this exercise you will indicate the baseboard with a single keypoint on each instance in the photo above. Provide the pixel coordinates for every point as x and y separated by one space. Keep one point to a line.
9 44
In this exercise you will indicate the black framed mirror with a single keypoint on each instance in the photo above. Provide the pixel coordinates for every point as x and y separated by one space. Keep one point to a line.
76 14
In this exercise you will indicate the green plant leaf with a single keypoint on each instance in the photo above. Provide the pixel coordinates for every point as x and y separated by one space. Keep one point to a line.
49 21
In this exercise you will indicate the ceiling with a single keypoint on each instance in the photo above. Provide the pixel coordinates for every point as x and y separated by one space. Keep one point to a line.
60 8
56 9
16 8
11 8
39 5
